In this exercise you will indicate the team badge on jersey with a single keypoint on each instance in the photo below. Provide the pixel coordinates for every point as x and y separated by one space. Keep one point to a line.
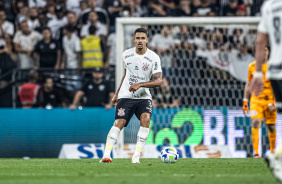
121 112
145 66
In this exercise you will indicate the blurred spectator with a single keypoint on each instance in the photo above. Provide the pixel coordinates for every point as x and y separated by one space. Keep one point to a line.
169 5
36 3
141 8
255 10
73 6
103 16
205 9
164 96
230 9
48 51
51 14
43 23
72 48
92 51
248 4
111 51
236 38
114 7
134 12
7 57
98 92
156 9
28 92
49 96
57 23
251 40
84 10
163 44
25 41
218 39
184 37
18 6
183 9
101 29
6 27
23 15
33 21
72 20
241 11
7 6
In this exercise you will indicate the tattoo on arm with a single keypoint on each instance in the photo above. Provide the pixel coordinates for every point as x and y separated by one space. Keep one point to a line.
157 76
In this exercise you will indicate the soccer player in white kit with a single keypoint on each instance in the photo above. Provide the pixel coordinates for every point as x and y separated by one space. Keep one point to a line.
270 29
133 95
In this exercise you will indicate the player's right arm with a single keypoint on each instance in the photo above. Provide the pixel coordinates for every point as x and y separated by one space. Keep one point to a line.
115 98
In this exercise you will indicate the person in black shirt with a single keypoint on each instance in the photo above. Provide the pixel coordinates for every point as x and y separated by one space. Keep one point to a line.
49 96
97 91
230 9
48 51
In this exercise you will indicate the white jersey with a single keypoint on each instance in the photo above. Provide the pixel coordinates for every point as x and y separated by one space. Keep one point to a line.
271 24
139 68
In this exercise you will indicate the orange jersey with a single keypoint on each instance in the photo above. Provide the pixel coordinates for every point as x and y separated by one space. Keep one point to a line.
267 93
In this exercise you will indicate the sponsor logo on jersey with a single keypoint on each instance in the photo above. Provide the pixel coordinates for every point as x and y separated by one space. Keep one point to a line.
130 55
128 63
137 77
121 112
145 66
148 59
136 68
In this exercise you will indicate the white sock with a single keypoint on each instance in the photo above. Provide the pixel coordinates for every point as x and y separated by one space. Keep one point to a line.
111 140
141 139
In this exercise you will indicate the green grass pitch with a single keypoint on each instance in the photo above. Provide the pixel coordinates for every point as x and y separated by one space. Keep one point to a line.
84 171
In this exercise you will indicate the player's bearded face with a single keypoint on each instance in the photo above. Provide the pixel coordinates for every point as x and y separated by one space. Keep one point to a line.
140 40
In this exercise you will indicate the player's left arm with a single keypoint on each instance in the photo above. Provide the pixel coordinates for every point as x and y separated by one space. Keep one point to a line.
155 82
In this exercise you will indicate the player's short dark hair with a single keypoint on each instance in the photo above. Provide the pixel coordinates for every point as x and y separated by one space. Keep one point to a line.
92 30
141 30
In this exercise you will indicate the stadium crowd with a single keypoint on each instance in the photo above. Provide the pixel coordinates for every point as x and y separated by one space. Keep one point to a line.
73 37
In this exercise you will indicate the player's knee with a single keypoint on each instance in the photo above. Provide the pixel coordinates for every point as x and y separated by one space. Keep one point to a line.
145 120
271 127
120 123
256 123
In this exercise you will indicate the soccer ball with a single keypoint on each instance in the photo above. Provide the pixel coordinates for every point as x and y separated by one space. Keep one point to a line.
169 155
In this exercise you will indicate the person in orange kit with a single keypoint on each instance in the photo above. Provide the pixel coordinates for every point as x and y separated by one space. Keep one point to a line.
262 107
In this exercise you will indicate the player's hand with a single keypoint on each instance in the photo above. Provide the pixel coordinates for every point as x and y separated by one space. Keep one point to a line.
115 100
134 87
272 107
72 107
245 108
256 85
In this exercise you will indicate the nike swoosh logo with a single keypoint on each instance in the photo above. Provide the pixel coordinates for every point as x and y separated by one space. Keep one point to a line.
128 63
